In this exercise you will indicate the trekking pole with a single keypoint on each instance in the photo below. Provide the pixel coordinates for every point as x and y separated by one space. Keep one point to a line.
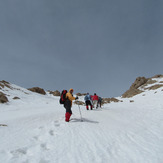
80 114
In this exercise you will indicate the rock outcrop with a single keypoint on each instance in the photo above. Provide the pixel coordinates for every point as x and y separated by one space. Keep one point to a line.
81 94
141 84
3 98
158 76
109 100
155 86
4 83
134 87
55 93
16 98
79 102
37 90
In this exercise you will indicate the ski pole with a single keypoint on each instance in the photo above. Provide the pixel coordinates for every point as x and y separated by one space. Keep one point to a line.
80 114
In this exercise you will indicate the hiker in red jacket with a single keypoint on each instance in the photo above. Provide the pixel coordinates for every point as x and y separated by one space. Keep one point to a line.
95 101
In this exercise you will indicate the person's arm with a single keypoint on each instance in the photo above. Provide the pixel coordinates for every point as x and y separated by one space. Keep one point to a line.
70 97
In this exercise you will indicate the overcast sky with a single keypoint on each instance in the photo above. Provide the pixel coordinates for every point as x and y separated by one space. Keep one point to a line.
90 45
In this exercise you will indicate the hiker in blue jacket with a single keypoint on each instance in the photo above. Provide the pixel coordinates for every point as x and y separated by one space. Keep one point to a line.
88 101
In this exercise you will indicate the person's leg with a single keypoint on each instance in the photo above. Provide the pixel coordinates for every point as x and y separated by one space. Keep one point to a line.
70 113
91 103
68 110
87 105
96 103
67 117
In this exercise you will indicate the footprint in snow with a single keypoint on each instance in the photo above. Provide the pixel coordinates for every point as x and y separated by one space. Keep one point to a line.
44 146
36 138
51 132
56 123
19 152
43 161
41 127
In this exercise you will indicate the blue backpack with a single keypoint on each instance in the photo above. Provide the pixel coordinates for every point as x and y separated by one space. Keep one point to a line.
87 97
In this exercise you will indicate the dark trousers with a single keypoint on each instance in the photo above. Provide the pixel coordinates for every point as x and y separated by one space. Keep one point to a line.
67 106
99 103
88 102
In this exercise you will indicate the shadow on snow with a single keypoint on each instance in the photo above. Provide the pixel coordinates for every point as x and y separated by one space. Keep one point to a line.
82 120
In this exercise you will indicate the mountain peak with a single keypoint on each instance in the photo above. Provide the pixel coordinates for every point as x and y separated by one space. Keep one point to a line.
141 84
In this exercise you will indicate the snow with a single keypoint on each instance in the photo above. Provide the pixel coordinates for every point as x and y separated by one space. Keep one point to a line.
123 132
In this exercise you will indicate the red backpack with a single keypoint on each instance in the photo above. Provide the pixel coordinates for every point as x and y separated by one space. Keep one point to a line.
63 97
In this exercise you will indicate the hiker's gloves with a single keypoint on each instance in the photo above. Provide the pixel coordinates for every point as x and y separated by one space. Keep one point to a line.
76 98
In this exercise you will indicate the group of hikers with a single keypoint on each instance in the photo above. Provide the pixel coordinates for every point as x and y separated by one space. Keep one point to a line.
92 101
67 98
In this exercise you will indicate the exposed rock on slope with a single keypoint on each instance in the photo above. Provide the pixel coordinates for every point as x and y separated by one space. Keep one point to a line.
79 102
16 98
109 100
158 76
134 87
4 83
81 94
3 98
37 90
55 93
155 86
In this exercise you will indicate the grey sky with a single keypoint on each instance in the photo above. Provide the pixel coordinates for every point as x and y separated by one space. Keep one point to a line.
90 45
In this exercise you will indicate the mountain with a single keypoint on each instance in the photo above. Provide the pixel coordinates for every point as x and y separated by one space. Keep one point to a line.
130 130
142 84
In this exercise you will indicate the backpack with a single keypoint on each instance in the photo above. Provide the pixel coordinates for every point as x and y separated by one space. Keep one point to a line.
63 97
87 97
99 99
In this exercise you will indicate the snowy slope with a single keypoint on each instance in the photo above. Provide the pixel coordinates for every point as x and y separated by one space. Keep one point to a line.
124 132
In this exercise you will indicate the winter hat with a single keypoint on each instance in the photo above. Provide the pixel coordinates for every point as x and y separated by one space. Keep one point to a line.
71 90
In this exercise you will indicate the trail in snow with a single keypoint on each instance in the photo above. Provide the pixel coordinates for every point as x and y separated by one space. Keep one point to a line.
101 137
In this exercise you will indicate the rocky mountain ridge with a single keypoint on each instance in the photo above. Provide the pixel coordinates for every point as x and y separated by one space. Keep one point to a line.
140 85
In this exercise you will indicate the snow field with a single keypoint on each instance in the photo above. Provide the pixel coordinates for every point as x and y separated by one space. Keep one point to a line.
121 132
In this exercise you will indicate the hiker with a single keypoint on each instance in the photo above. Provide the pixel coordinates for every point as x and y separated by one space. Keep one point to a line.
68 104
88 101
95 101
99 101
